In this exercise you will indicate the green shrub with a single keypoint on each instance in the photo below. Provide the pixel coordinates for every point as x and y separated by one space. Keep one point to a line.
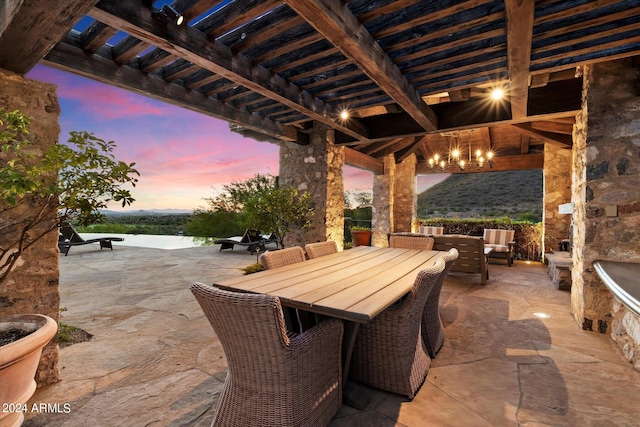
253 268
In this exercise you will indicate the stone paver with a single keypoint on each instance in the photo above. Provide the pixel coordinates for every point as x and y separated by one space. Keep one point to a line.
513 353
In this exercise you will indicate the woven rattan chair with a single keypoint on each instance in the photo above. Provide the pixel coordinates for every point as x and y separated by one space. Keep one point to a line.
389 352
411 241
273 379
432 327
315 250
275 259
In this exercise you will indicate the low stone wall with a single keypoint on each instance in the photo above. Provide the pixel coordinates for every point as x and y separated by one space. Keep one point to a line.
32 286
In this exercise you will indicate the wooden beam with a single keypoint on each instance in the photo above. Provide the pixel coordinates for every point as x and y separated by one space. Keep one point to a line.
29 29
554 127
500 163
519 35
406 152
362 161
338 25
71 58
562 141
194 46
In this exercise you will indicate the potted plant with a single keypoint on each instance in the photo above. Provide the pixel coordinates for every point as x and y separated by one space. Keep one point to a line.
41 188
22 338
361 236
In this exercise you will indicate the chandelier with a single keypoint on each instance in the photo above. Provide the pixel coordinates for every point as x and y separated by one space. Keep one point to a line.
460 155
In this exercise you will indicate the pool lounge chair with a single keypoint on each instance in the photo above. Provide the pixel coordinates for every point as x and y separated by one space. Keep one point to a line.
252 239
68 236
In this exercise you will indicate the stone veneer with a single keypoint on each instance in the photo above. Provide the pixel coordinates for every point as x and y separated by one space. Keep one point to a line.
316 168
32 286
557 191
606 196
394 199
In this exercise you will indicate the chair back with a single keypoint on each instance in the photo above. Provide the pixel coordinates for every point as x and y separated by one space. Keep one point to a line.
316 250
430 230
411 242
282 257
498 237
249 326
422 286
70 234
251 236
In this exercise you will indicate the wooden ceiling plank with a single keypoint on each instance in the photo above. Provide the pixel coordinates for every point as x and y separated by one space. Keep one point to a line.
194 46
96 35
520 15
25 37
337 24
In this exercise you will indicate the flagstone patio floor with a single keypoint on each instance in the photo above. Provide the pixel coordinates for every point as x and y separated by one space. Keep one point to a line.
513 355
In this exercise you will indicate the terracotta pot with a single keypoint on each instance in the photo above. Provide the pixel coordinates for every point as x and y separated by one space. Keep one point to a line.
19 361
361 237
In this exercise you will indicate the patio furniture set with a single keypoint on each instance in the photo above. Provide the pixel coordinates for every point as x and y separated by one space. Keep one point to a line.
371 316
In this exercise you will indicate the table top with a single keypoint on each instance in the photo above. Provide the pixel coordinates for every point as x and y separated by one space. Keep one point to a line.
356 284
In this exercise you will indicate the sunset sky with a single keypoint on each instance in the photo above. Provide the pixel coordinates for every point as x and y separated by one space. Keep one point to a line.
182 156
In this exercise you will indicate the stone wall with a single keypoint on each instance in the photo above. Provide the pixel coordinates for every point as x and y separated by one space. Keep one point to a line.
382 209
32 286
316 168
557 191
404 195
606 196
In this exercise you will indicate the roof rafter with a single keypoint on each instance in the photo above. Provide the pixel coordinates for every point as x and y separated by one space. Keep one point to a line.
336 23
520 15
194 46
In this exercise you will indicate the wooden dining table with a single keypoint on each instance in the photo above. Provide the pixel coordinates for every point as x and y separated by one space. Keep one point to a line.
354 285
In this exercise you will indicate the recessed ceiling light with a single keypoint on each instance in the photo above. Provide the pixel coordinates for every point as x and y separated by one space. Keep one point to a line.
497 94
344 114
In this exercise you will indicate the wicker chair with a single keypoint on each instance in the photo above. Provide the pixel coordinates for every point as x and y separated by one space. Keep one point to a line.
295 320
389 352
316 250
275 259
411 241
273 379
432 327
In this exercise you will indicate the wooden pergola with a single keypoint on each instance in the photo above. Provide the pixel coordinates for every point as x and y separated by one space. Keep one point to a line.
407 71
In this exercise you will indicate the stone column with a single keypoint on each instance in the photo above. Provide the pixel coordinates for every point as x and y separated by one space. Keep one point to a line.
405 198
383 201
557 191
316 168
32 286
606 196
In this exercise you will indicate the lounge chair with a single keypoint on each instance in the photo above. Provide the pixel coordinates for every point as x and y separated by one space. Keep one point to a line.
252 239
68 236
502 242
274 378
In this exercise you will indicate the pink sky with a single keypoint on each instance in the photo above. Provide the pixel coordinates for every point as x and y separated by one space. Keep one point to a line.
182 156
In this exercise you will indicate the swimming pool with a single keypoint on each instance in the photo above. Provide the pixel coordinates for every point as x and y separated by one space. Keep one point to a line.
153 240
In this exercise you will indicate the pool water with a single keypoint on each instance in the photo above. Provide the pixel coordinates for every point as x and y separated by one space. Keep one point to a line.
152 240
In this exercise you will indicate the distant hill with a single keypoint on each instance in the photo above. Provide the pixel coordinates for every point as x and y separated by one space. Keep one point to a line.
516 194
141 212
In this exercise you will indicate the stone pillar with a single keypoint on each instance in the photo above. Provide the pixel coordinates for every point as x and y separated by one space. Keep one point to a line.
606 196
32 286
405 198
316 168
382 210
557 191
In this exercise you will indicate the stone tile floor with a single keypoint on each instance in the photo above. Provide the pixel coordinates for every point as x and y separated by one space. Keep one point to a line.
513 356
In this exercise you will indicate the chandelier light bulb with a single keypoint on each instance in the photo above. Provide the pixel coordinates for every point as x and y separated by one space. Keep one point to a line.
490 155
455 153
431 162
479 153
436 158
461 164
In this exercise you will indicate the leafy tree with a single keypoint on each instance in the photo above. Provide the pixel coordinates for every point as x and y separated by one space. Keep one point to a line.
261 204
74 179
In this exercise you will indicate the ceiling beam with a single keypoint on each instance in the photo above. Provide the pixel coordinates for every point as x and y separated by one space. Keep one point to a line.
519 15
362 161
559 140
194 46
29 29
70 58
338 25
500 163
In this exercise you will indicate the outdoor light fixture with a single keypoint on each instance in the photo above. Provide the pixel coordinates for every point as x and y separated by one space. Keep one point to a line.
455 157
344 114
497 94
173 14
